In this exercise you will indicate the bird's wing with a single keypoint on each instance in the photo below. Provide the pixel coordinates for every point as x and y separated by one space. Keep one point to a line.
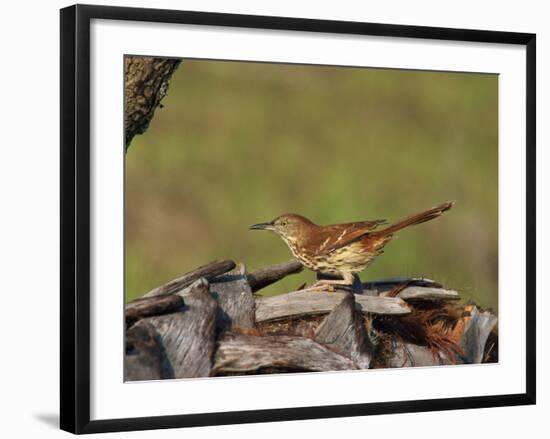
338 235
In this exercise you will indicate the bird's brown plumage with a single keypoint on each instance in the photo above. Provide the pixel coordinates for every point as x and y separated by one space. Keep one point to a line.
341 249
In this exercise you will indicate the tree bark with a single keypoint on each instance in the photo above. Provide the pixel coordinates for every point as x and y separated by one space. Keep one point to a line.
146 83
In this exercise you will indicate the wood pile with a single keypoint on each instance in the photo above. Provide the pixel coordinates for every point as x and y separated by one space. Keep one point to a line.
209 322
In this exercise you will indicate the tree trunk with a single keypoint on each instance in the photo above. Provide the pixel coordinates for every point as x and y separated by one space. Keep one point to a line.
146 83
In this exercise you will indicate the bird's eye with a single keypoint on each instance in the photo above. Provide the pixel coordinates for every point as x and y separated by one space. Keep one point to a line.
283 223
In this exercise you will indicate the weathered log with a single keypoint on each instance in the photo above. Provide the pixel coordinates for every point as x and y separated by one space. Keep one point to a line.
343 331
304 302
306 330
236 307
150 306
269 275
477 329
144 351
412 281
146 83
378 287
188 336
425 293
412 355
208 271
245 354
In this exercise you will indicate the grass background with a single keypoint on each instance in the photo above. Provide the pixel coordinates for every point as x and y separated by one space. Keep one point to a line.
239 143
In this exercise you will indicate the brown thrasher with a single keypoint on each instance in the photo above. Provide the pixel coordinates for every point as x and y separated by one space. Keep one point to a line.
340 249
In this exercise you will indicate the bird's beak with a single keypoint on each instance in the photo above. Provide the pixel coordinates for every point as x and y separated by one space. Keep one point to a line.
262 226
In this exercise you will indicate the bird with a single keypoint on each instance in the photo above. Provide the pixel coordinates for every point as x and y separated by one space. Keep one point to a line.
341 250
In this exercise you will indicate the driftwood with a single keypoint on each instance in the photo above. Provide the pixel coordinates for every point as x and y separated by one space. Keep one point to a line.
424 293
266 276
218 327
188 336
151 306
245 354
412 355
304 302
146 83
343 331
208 271
236 308
378 287
384 284
477 330
144 353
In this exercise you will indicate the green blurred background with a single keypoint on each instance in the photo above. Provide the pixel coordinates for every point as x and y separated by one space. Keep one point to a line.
239 143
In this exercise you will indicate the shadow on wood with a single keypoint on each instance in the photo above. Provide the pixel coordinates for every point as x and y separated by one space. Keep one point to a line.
188 335
343 331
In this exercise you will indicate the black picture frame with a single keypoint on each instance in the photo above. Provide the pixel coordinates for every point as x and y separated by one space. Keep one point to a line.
75 217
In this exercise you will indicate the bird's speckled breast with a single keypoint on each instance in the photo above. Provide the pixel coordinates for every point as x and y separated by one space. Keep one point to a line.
348 259
300 255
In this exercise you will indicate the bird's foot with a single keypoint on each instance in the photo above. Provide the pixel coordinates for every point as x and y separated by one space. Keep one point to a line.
320 288
328 285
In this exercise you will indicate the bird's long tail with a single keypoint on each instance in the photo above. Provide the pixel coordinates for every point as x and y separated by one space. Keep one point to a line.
419 218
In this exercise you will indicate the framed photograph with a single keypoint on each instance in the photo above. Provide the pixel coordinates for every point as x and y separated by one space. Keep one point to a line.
275 218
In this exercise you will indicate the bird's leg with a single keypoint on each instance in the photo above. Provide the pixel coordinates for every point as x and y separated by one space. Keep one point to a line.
329 284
